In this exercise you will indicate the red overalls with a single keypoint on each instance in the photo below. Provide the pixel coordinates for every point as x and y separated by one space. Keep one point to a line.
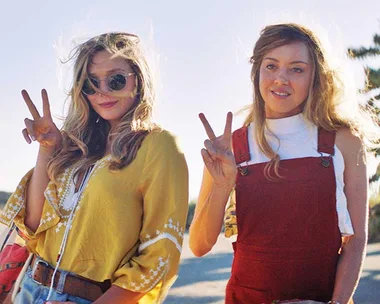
288 234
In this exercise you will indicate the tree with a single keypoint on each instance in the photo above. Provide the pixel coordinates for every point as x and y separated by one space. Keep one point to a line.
372 82
373 75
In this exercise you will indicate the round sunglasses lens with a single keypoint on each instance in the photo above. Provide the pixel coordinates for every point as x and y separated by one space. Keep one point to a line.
87 88
117 82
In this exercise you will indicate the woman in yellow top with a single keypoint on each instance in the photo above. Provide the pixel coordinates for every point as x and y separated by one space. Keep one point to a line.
105 206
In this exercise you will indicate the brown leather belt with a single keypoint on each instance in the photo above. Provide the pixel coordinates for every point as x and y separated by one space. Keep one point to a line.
74 285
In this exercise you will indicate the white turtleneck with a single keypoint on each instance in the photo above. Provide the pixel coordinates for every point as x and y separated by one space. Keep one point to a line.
295 137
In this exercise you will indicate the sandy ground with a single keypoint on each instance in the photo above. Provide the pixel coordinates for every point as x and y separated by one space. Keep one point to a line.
203 280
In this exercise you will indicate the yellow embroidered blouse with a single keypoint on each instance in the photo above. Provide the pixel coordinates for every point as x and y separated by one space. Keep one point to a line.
128 225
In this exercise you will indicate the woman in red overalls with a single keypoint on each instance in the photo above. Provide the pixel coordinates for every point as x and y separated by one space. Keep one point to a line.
298 170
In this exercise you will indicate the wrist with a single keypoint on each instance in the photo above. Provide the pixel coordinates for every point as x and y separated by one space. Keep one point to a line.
224 187
47 150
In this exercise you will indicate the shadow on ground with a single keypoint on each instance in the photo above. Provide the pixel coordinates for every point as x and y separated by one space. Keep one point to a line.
192 300
199 271
368 291
373 253
204 269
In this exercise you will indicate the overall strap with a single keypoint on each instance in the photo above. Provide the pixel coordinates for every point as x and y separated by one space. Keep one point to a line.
326 141
240 145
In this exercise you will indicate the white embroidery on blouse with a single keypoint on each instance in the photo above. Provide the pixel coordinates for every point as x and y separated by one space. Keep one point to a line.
12 209
172 232
162 236
8 214
66 188
98 165
48 217
148 281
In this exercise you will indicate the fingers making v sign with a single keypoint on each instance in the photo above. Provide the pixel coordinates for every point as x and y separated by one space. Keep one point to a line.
41 128
217 154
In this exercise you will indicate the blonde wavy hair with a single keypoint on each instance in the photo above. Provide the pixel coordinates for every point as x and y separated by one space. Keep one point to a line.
84 132
322 106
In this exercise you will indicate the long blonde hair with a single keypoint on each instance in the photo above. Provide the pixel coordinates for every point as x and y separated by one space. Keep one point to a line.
325 93
85 134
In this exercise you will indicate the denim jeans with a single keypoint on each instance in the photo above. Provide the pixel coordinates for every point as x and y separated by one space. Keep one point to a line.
34 293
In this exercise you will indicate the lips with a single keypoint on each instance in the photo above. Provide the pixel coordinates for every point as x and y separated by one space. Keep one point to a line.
280 93
107 105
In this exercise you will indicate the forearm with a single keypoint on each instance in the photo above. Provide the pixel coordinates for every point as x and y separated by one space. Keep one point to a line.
208 219
117 295
349 269
35 192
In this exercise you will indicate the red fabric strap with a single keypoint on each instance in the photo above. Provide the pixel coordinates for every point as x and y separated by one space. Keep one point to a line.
326 141
240 145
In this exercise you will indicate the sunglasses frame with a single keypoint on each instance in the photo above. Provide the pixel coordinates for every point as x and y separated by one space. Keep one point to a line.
97 90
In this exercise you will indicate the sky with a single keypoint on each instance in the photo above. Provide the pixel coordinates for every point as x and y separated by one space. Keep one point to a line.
197 50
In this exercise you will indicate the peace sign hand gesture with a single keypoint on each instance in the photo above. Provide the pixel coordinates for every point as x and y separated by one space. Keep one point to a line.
217 155
41 129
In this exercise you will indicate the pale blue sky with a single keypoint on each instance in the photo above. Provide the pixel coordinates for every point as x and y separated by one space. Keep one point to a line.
199 50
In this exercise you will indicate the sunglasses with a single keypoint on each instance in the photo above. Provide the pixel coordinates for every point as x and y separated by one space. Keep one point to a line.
115 82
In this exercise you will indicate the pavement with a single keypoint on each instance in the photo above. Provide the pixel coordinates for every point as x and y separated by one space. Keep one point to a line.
203 280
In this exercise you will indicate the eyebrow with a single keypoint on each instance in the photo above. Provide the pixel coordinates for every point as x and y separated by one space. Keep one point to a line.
293 62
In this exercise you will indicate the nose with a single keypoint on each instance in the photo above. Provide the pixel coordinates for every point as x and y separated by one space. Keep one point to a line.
282 77
103 86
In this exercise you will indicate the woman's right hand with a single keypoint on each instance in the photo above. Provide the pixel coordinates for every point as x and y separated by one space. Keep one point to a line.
217 154
41 129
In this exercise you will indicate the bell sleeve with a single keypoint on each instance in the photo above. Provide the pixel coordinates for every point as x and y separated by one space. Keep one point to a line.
164 189
15 209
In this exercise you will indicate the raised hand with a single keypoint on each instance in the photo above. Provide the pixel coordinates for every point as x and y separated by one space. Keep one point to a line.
41 129
217 154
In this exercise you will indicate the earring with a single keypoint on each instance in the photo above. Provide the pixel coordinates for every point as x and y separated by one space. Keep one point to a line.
97 120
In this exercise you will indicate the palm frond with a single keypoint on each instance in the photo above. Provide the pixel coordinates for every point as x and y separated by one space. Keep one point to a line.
363 52
376 39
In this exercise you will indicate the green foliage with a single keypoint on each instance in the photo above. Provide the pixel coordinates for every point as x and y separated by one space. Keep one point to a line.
374 224
190 213
365 52
373 78
372 83
373 75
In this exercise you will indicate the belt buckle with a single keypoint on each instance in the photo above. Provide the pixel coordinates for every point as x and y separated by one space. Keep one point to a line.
34 270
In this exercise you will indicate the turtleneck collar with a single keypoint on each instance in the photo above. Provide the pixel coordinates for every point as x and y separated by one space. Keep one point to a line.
286 126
